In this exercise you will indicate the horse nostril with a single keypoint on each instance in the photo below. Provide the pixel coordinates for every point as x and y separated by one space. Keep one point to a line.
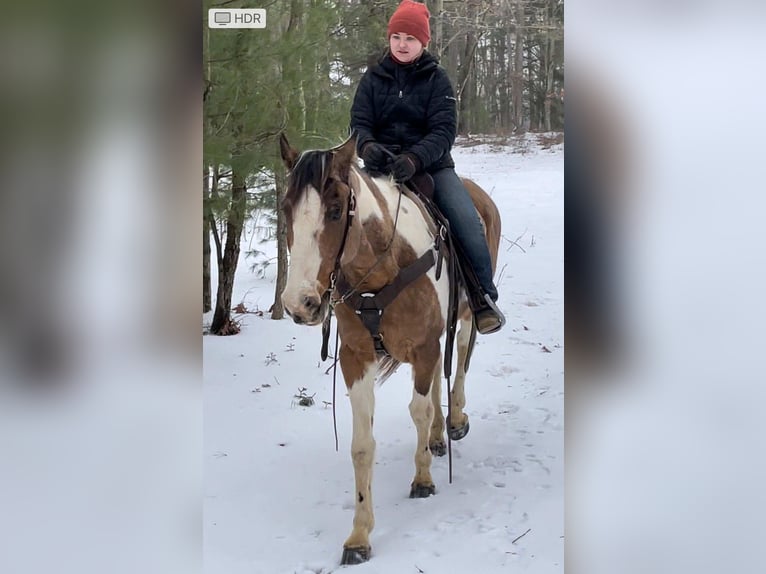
311 303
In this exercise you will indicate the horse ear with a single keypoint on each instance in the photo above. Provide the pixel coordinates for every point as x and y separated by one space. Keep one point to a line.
343 155
289 155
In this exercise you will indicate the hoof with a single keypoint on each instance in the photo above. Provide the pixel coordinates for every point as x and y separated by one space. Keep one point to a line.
356 555
438 448
422 490
456 433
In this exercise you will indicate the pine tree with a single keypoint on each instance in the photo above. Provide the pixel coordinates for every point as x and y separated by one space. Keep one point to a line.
299 74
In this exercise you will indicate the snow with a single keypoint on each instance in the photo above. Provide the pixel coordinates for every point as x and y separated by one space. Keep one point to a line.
279 498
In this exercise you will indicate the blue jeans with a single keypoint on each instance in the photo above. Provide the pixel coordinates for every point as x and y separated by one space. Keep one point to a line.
452 198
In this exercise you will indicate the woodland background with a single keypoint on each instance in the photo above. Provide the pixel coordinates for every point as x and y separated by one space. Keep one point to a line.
298 76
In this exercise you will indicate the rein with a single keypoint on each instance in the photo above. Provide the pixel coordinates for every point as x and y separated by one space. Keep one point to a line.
336 272
350 291
354 289
350 212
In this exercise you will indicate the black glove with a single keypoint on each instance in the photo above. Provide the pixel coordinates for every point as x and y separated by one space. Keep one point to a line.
404 167
375 156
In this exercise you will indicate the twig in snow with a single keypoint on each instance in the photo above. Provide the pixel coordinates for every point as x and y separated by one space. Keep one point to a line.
520 537
515 242
500 277
327 372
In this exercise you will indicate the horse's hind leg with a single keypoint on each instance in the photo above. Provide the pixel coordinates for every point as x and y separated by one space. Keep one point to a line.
422 411
458 424
436 439
356 549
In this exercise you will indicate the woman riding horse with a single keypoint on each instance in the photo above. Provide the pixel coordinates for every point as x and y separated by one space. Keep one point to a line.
404 115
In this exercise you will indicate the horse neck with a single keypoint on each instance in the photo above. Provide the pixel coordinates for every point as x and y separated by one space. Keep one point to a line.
393 231
375 199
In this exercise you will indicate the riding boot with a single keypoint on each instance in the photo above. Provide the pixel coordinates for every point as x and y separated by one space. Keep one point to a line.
488 318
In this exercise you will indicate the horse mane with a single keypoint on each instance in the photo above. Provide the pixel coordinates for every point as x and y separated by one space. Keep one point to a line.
311 169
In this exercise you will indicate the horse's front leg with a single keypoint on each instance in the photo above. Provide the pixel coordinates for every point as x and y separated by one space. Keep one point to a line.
458 424
422 411
436 440
357 548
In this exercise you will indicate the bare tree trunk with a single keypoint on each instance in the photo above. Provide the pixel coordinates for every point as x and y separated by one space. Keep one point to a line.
222 323
292 68
465 91
491 84
548 92
504 72
549 66
206 291
464 76
452 62
437 40
206 208
517 80
277 309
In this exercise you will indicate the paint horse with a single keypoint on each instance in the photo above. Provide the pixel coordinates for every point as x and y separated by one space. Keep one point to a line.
349 233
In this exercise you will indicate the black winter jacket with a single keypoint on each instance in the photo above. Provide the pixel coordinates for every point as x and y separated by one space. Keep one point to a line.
407 108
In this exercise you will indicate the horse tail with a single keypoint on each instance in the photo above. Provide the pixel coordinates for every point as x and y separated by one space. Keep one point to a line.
490 216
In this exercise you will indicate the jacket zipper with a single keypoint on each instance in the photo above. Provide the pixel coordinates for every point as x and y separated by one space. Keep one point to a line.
404 85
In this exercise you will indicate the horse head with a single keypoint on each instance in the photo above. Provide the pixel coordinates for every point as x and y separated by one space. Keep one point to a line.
317 207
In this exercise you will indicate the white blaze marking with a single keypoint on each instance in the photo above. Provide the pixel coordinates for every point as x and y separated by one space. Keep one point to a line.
308 223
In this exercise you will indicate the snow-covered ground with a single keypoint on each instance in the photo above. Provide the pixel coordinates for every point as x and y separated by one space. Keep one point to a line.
279 498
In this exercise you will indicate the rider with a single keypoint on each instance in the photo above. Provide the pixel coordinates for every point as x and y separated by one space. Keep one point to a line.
404 115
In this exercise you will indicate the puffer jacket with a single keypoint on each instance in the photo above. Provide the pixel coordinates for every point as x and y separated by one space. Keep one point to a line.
407 108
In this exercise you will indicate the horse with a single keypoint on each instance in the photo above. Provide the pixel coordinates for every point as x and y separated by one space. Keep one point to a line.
351 233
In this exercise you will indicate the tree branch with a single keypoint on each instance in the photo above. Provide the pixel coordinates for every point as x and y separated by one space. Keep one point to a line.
522 536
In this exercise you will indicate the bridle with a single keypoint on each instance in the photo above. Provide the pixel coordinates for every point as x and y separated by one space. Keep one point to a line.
350 213
335 273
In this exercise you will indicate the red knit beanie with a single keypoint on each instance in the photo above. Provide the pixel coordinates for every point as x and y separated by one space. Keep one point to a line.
411 18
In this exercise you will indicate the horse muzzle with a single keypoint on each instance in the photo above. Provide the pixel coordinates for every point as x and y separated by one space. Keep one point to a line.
308 310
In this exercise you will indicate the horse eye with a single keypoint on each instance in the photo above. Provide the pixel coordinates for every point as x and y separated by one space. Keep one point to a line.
334 213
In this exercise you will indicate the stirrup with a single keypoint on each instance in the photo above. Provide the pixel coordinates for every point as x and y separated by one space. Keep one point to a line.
489 319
